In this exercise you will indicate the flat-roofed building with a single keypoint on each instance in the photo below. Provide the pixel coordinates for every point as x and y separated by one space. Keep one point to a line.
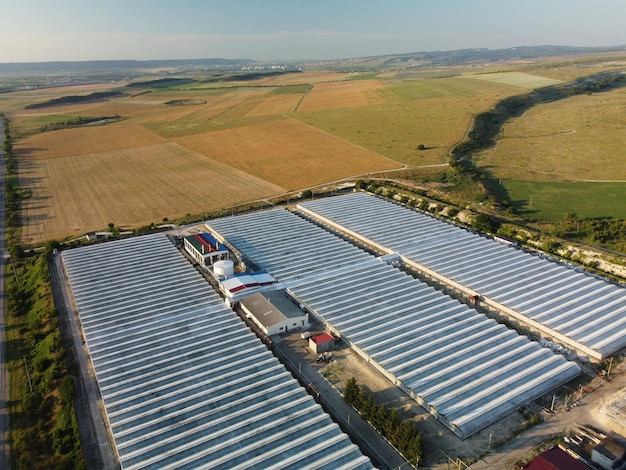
274 313
205 249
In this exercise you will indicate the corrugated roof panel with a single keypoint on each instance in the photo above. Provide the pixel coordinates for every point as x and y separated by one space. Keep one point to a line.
405 326
185 384
455 253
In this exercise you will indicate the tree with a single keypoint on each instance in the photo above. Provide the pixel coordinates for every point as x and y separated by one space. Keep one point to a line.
351 392
484 223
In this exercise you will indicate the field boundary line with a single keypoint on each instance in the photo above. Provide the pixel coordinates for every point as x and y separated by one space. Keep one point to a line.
404 165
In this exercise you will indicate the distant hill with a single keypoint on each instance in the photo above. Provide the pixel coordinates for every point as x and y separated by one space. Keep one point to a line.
468 56
115 69
92 66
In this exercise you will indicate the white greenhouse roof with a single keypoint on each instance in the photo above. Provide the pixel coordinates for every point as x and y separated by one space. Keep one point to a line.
185 384
466 369
586 312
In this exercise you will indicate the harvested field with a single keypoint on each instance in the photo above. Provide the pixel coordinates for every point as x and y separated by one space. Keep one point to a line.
123 107
276 104
88 139
130 187
288 153
171 122
344 94
295 78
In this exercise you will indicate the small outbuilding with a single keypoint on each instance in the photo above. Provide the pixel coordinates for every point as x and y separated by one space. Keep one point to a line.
322 343
273 312
609 455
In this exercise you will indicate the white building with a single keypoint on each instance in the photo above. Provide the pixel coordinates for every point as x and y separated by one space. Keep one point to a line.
205 249
274 313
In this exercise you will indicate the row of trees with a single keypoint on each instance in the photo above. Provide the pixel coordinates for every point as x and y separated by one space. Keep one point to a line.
12 193
44 432
403 435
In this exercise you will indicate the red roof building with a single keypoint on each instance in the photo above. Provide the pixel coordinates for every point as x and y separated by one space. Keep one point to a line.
556 459
321 343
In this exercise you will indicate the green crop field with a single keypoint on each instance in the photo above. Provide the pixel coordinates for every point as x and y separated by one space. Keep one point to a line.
551 201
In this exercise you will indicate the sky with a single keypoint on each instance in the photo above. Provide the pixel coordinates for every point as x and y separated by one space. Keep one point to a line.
277 30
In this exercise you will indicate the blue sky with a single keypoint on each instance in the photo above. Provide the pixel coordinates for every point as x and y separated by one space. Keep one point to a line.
273 30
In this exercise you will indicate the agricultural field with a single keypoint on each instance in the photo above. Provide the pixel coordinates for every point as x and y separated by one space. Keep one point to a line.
344 95
540 200
553 145
129 187
519 79
223 143
86 140
288 153
435 113
235 137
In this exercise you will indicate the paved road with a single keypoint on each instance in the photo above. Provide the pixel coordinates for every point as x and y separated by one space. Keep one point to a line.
4 375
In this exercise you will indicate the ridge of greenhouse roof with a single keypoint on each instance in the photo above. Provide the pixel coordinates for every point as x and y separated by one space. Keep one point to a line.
185 383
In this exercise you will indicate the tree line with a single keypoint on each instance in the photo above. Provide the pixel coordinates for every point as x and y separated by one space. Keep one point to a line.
72 99
402 434
44 431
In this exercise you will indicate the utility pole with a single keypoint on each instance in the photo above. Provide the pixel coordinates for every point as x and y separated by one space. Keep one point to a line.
30 384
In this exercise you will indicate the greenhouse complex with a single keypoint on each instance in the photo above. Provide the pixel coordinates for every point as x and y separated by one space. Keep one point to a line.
184 383
466 369
575 308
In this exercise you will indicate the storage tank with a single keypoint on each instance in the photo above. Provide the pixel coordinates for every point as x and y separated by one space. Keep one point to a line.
224 268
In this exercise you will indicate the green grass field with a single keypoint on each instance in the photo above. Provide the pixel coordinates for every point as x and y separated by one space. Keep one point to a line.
433 112
550 201
518 79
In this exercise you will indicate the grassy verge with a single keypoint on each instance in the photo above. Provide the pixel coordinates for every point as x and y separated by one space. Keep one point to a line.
44 433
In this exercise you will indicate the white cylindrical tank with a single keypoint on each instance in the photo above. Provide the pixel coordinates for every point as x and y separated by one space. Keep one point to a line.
224 268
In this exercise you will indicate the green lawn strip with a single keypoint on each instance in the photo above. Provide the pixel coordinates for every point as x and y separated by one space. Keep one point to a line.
44 433
551 201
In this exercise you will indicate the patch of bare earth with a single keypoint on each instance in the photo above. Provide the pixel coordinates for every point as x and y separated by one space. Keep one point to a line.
441 446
